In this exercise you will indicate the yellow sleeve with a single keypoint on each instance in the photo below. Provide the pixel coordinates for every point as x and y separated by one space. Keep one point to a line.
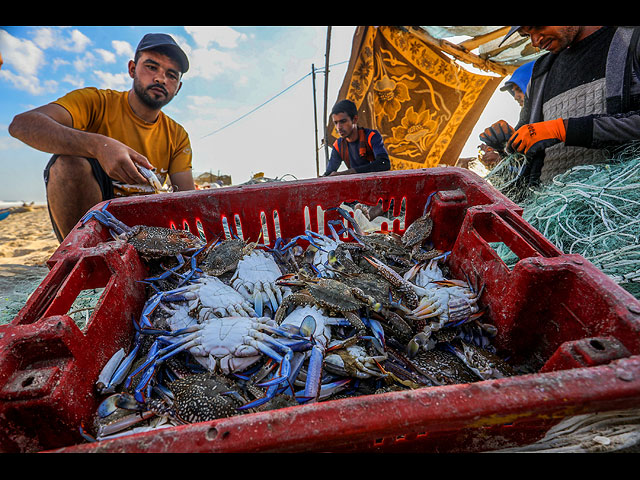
183 156
84 105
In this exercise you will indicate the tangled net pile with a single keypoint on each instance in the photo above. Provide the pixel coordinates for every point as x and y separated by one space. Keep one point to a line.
591 210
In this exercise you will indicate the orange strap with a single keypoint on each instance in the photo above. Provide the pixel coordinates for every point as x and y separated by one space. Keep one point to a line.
365 150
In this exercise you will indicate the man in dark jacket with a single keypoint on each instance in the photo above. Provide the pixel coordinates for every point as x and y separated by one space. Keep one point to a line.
584 97
361 149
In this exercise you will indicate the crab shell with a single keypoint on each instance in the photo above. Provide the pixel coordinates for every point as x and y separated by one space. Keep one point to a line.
225 256
203 397
154 242
417 232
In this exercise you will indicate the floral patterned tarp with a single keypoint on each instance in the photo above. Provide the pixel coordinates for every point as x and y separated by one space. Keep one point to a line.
421 101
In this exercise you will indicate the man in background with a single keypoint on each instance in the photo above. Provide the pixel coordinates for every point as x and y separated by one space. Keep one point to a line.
583 99
361 149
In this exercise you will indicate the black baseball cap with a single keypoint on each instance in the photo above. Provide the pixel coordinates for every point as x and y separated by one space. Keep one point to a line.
152 41
512 30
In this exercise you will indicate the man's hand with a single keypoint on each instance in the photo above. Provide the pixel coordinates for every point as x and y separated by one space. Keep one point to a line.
344 172
119 161
535 137
497 135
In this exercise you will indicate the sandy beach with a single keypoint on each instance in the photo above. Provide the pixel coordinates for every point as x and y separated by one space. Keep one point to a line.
26 243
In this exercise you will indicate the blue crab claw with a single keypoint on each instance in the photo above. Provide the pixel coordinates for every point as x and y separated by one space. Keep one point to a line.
108 406
348 218
150 306
314 373
376 328
127 402
153 353
281 247
285 363
336 234
169 271
115 370
120 374
106 219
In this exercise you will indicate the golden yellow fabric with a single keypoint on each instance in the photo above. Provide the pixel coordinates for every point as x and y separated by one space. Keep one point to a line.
165 143
422 102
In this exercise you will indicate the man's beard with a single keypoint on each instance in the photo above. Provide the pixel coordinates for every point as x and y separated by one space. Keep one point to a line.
150 101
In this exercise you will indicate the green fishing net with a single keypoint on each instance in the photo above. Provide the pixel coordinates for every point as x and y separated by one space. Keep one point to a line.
591 210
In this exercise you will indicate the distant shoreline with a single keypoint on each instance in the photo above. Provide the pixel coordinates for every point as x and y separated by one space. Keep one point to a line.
19 203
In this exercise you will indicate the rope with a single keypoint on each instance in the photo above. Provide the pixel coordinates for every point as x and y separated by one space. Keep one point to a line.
591 210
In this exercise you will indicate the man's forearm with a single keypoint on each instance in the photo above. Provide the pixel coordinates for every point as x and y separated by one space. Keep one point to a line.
43 133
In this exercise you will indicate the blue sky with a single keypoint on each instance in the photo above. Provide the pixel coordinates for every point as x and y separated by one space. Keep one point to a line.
226 103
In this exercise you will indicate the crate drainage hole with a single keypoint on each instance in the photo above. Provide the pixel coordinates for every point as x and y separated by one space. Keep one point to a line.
213 434
506 255
83 306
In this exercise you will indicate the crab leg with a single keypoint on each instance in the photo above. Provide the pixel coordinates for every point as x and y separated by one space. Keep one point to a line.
106 219
405 287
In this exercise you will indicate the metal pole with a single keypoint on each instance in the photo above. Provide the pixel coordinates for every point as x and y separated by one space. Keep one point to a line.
326 90
315 118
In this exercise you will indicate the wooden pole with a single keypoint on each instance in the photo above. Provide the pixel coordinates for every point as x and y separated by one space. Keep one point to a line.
315 118
326 90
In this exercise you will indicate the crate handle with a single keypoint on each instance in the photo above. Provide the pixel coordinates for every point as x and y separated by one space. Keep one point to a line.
528 235
498 224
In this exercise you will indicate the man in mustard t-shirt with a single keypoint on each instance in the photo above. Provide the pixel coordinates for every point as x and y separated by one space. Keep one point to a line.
100 137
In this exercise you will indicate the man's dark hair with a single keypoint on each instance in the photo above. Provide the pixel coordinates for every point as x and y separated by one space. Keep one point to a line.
345 106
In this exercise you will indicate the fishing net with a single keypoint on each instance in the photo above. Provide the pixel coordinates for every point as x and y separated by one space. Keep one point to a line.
591 210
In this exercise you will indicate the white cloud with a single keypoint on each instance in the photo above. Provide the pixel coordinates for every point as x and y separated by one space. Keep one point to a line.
87 60
123 48
107 56
114 81
57 62
74 80
63 39
23 56
208 64
225 37
28 83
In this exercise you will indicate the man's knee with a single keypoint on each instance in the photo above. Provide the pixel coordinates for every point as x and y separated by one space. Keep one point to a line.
69 167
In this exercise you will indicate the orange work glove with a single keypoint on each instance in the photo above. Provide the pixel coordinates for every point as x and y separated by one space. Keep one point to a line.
534 137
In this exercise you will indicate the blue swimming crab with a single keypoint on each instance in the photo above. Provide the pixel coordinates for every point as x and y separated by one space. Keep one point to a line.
330 294
222 257
149 241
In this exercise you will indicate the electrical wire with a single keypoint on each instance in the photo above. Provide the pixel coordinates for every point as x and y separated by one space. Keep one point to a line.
316 70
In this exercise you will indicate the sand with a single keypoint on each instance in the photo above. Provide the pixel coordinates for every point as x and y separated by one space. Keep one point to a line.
26 243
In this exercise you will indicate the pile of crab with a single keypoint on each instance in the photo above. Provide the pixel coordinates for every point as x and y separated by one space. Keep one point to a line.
232 327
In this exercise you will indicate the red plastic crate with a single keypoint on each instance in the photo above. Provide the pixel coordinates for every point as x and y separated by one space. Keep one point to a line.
555 311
